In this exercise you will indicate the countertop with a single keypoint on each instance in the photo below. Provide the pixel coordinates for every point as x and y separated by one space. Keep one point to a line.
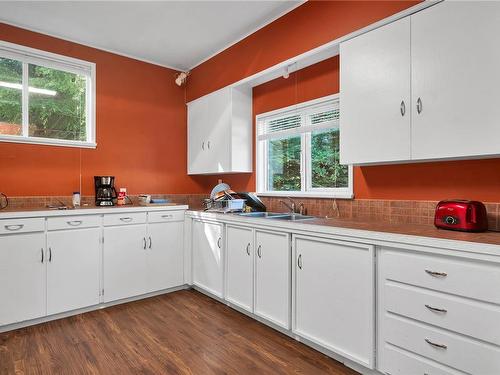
409 233
20 212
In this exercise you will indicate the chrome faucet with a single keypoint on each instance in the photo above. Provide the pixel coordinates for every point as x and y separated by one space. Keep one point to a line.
291 206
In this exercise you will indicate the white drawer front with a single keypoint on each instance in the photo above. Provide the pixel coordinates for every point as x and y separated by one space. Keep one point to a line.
11 226
446 274
400 362
458 351
472 318
165 216
73 222
125 218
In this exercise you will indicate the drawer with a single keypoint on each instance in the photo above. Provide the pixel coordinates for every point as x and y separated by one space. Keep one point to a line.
10 226
163 216
476 319
125 218
73 222
465 278
400 362
462 353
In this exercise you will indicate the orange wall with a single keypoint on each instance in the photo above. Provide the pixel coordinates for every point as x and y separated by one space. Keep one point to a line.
141 131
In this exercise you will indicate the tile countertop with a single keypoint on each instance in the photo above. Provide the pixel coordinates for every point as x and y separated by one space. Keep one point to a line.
412 234
22 212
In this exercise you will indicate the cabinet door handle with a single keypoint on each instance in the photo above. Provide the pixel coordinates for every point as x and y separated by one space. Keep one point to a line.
218 242
150 242
248 248
41 250
126 219
208 145
441 346
14 227
299 261
50 254
402 108
436 274
144 243
74 223
203 145
419 105
436 309
259 251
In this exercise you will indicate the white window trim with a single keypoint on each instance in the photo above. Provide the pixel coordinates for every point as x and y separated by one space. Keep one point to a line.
261 159
29 55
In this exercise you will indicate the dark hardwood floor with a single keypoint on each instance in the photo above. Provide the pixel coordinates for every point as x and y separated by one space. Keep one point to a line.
179 333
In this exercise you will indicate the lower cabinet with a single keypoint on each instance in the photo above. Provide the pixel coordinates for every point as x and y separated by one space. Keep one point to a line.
208 266
22 277
273 277
239 276
334 297
73 269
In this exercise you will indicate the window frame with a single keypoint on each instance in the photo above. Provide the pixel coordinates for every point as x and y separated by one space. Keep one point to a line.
305 156
27 55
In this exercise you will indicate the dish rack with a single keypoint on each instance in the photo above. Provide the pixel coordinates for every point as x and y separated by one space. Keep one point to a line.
225 205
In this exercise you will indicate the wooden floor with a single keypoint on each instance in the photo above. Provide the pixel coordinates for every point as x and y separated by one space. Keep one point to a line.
179 333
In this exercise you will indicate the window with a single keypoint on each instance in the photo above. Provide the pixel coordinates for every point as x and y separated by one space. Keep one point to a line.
46 98
298 151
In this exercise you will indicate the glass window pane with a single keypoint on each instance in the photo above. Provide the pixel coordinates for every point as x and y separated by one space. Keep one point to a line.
11 114
327 172
284 164
56 104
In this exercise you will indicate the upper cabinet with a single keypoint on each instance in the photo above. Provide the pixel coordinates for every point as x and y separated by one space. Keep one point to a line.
220 132
422 88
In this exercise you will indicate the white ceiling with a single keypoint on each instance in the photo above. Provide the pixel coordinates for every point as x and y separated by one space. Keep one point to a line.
176 34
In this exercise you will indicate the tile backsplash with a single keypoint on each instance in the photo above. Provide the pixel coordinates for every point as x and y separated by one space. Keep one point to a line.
381 210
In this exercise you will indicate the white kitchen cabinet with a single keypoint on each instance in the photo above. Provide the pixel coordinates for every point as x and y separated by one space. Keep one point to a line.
165 255
73 269
457 86
375 107
333 291
239 276
22 277
449 91
208 262
273 277
220 132
125 265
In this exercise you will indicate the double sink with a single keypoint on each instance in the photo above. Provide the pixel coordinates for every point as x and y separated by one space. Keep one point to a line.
276 216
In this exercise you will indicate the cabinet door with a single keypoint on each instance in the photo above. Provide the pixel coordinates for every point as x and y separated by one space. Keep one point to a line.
22 277
165 255
218 125
455 60
375 95
208 257
73 267
197 143
334 302
239 279
272 277
125 270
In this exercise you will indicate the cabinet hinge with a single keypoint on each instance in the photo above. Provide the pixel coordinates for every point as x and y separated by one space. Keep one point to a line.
102 239
102 292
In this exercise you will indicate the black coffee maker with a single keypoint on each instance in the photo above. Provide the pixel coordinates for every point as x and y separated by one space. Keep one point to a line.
105 191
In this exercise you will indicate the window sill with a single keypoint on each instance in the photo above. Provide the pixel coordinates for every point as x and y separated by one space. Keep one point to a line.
307 194
46 141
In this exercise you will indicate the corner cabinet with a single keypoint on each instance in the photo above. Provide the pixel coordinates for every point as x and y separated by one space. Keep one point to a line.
411 91
220 132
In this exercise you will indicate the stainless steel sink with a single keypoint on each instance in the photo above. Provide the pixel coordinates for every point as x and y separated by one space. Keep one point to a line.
276 216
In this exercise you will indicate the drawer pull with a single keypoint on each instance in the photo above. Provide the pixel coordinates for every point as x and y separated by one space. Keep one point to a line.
14 227
126 219
167 216
75 223
440 346
436 274
436 309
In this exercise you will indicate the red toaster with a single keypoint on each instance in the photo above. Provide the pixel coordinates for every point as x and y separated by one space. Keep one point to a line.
463 215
